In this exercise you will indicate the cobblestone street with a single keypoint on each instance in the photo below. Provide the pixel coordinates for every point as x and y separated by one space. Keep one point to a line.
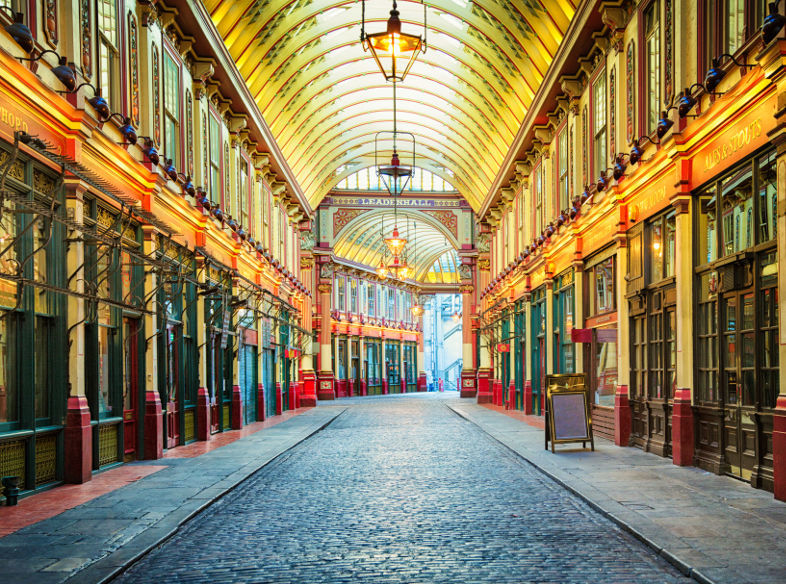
400 489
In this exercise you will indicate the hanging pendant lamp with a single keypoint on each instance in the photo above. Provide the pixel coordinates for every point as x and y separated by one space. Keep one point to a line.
393 50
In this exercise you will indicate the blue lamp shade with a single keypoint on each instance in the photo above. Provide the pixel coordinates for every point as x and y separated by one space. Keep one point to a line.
773 23
20 32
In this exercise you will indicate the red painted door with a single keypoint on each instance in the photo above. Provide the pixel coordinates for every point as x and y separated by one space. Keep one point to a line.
130 386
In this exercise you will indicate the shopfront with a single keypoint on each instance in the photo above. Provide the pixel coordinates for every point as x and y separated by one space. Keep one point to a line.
736 340
539 358
248 366
218 351
564 310
373 366
600 337
652 298
519 344
33 388
177 353
392 365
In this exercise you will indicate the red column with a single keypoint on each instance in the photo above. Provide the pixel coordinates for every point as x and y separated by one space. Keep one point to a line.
260 403
308 399
292 395
528 397
779 448
485 395
154 426
681 428
279 400
78 441
237 408
203 414
511 403
622 417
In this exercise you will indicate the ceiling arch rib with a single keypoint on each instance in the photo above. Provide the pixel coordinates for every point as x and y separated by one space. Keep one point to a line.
487 20
367 153
482 67
493 105
356 159
454 104
465 124
364 126
308 74
322 128
350 169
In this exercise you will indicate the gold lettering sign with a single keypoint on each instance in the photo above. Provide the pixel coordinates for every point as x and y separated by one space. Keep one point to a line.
735 142
14 122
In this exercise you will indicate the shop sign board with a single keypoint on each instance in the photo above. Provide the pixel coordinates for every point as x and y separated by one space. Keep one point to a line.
503 347
568 417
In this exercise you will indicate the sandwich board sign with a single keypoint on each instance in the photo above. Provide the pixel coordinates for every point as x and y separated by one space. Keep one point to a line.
568 416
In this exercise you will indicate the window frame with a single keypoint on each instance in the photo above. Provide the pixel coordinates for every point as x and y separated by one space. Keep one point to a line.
173 115
599 135
646 93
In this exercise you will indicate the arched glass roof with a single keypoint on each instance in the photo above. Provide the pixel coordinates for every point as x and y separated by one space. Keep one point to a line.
430 250
367 179
325 100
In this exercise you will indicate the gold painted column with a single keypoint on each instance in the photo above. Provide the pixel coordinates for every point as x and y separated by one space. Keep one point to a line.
203 395
622 412
78 431
325 376
154 418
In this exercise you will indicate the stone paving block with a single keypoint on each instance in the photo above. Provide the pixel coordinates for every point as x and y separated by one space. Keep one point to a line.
401 491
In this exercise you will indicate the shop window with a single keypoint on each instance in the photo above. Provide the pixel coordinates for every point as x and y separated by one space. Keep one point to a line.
563 194
768 329
599 120
341 292
564 359
768 197
707 227
108 53
215 160
638 357
9 397
662 348
652 65
728 24
245 217
539 196
706 339
602 289
391 305
171 108
737 212
604 366
43 380
372 299
662 241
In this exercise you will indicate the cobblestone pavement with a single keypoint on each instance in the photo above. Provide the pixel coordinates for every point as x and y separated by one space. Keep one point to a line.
400 490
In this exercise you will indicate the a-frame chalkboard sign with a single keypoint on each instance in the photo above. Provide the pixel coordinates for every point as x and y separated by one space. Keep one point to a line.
568 417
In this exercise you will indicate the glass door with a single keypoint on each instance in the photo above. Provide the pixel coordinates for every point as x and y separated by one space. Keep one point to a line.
739 375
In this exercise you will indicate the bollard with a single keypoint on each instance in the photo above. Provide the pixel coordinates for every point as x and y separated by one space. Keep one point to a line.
11 490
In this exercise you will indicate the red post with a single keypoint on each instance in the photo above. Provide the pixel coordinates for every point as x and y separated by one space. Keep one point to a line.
485 393
78 441
528 397
308 399
293 395
260 403
623 419
325 386
237 408
468 384
279 399
384 387
154 426
203 414
779 449
511 403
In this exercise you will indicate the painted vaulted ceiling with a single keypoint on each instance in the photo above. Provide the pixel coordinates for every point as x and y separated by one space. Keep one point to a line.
325 99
